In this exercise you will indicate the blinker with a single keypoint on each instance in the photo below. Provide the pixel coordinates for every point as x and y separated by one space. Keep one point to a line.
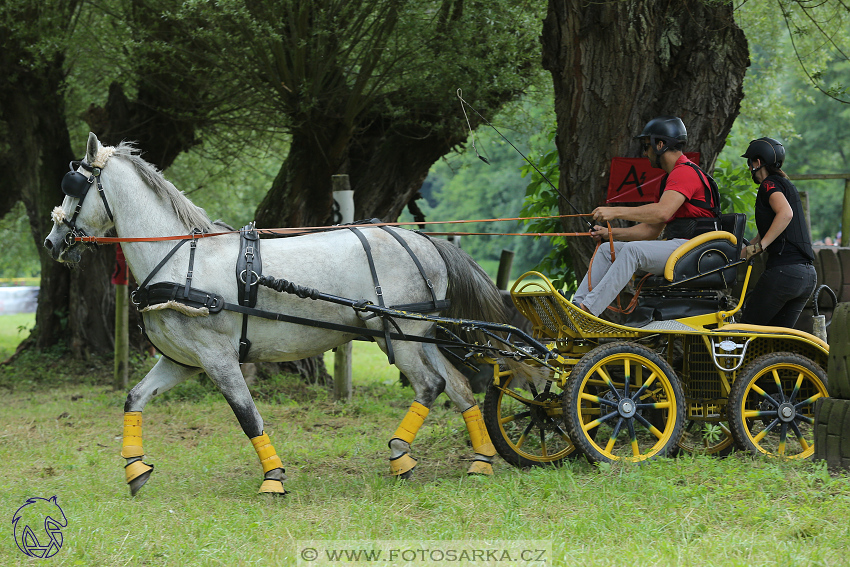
75 184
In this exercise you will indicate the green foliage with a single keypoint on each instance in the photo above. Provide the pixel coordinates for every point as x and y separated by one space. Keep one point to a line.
782 99
479 191
737 190
541 199
13 330
18 256
462 187
822 147
348 59
227 189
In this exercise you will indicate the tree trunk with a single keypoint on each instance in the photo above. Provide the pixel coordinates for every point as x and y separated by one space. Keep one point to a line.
389 163
616 65
37 134
387 167
145 121
301 194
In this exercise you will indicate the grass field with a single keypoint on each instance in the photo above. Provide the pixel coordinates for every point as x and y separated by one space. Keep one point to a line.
60 434
13 330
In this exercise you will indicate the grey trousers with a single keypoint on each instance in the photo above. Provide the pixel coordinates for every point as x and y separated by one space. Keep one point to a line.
608 279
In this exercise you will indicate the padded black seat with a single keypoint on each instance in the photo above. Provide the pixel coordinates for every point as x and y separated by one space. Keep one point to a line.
694 265
682 291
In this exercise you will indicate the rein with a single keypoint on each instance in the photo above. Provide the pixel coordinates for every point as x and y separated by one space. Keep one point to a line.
80 237
633 303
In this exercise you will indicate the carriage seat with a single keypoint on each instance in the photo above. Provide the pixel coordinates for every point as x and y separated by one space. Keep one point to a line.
702 254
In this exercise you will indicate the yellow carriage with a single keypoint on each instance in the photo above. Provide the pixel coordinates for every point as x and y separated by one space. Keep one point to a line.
697 382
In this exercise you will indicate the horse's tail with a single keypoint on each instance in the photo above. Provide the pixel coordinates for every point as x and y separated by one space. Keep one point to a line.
472 293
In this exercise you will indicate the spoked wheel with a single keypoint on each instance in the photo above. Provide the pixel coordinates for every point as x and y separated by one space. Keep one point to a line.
707 438
623 401
772 405
526 423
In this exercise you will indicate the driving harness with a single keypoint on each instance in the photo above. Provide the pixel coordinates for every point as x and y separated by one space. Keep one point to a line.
249 277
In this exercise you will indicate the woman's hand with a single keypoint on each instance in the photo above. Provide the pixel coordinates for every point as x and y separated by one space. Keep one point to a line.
752 250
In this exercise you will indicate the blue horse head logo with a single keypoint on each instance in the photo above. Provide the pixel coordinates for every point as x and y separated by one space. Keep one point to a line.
38 527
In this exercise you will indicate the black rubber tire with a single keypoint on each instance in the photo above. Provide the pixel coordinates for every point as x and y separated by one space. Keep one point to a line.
794 438
526 434
839 353
626 431
832 432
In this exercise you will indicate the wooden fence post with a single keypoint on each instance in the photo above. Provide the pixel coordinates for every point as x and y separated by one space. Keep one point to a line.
804 202
503 277
344 208
845 215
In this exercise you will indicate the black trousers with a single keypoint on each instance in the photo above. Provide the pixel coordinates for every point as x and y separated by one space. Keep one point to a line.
780 295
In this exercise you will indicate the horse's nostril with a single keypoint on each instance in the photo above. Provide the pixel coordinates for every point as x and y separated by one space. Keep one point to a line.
48 244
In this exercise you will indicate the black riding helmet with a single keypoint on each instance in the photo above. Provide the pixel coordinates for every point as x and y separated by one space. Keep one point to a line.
771 152
669 129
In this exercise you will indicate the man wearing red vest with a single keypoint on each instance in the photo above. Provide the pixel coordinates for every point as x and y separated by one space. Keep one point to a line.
688 205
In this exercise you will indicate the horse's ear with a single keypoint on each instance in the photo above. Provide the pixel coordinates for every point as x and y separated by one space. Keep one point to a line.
92 147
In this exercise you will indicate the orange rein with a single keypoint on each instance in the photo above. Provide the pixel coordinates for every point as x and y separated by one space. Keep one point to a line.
309 229
633 303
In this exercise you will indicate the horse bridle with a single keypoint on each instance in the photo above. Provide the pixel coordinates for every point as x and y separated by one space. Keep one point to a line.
77 184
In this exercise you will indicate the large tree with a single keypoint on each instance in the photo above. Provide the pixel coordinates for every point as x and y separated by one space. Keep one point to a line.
52 53
367 88
35 142
617 64
372 88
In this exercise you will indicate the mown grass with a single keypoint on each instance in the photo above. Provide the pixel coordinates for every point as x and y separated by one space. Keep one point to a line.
13 330
201 507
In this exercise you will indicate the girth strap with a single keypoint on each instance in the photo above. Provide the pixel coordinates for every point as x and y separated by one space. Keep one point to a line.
416 261
368 249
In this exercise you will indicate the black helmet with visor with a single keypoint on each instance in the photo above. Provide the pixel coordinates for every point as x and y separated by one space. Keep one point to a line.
668 129
771 152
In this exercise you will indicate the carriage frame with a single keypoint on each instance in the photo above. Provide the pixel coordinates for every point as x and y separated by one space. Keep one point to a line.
700 384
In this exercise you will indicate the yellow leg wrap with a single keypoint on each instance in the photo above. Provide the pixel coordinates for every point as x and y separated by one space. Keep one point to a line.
480 467
271 487
411 423
135 470
131 446
268 456
402 464
481 443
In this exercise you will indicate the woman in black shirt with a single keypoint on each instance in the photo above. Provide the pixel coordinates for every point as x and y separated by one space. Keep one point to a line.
789 277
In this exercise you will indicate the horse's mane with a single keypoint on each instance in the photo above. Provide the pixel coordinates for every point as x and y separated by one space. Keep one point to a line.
189 214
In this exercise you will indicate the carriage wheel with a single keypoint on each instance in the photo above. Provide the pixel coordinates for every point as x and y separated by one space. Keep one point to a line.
526 423
772 405
623 401
707 438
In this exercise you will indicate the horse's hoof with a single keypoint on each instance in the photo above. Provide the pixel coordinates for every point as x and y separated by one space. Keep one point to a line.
137 474
480 467
406 475
402 465
271 486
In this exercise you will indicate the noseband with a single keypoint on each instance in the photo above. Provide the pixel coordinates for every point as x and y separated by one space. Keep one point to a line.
76 184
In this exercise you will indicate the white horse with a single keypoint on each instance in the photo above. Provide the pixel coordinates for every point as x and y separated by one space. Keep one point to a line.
135 200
